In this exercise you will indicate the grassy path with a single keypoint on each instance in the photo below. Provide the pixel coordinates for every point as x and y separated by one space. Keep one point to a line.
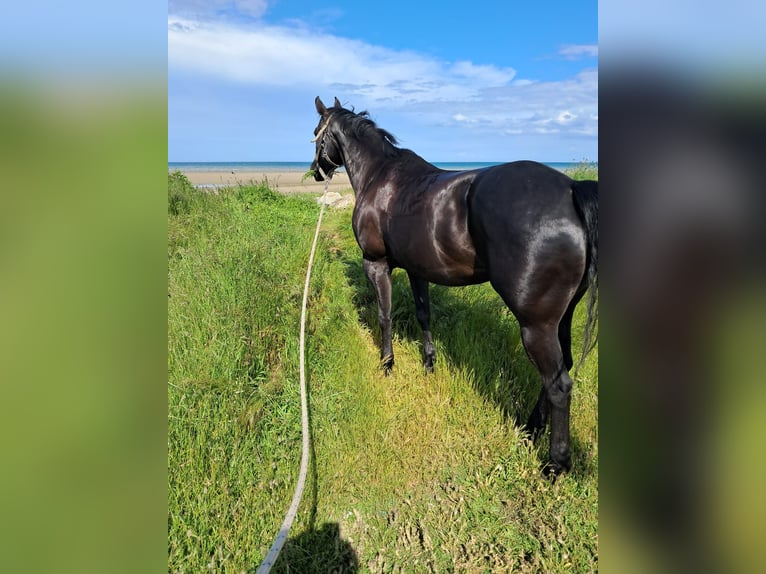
411 472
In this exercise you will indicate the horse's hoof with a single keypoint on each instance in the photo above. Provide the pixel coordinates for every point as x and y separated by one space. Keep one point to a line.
428 365
553 470
388 364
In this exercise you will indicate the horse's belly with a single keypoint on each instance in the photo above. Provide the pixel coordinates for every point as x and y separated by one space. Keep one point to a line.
443 267
458 279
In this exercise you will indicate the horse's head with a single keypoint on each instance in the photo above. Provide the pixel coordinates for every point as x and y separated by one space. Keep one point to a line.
327 157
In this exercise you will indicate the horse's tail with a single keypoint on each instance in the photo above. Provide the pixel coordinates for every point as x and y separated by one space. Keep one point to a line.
585 196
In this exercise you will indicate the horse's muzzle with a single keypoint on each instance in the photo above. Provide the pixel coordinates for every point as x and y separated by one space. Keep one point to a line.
317 174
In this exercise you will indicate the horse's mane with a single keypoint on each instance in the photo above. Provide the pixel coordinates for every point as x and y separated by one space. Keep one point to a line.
360 126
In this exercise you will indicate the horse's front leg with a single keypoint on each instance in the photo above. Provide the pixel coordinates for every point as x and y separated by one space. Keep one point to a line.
379 274
423 313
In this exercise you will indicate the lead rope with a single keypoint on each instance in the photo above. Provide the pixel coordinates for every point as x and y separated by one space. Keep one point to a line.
284 530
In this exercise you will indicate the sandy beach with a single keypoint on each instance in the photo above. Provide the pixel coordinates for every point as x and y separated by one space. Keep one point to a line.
283 181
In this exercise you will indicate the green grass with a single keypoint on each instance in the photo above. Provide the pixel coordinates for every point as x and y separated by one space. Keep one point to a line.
583 170
411 472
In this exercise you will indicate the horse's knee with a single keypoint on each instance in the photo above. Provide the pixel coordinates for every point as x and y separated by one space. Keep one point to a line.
560 391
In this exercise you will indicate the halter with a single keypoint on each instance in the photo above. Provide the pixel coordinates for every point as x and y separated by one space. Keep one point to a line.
321 152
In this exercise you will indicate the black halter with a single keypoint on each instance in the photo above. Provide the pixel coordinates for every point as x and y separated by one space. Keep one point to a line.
322 152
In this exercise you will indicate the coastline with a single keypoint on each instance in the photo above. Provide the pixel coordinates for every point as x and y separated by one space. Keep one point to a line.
286 177
281 180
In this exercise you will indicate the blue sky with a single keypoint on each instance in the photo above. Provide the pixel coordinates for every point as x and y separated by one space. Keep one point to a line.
480 81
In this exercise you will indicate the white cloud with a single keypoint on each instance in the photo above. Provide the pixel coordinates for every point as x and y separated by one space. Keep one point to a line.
483 104
486 74
567 106
278 56
464 119
578 51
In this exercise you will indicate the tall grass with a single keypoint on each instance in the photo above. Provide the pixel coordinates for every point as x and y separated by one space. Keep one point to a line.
411 472
584 170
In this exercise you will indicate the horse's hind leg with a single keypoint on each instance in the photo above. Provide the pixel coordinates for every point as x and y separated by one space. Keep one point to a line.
565 334
539 317
542 345
539 416
379 274
565 329
423 313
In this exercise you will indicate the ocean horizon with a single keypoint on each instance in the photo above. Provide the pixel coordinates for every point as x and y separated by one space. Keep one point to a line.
303 166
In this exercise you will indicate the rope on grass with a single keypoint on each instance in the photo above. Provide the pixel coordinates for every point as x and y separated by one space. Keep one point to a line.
284 530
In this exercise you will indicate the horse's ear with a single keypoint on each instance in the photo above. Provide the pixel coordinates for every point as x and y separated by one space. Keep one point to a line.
321 109
337 103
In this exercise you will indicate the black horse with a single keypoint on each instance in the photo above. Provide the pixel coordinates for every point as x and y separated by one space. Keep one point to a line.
529 230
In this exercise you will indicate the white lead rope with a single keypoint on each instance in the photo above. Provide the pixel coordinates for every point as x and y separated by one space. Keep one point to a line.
284 530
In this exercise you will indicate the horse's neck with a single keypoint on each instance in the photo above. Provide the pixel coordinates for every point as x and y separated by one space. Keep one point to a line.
359 173
361 163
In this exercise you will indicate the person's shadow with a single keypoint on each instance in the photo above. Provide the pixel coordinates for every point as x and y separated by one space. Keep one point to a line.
318 550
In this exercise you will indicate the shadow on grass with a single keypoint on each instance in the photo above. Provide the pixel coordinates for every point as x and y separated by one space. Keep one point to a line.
476 334
480 337
320 550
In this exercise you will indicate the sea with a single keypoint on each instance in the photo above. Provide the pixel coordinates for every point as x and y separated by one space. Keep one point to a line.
302 167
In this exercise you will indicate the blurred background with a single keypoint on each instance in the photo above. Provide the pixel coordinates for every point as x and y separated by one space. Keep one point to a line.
83 158
83 152
682 137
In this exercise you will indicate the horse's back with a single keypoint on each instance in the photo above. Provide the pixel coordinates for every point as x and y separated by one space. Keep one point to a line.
517 198
526 184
